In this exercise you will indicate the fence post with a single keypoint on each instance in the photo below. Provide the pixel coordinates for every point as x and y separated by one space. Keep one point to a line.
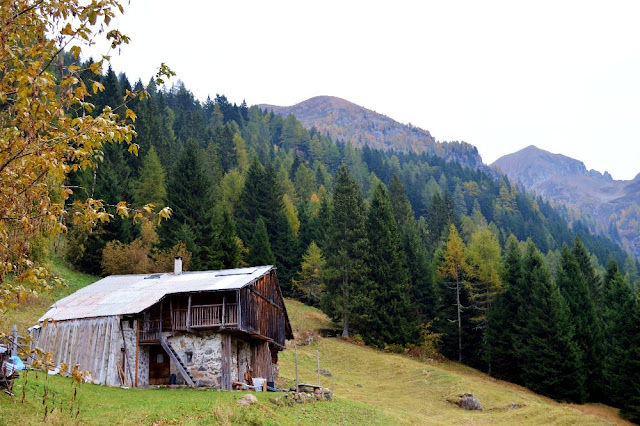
296 347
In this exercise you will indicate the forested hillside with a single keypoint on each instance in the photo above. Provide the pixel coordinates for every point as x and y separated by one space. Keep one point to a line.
400 248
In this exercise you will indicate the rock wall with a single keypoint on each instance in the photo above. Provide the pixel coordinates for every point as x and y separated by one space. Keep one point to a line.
206 356
201 353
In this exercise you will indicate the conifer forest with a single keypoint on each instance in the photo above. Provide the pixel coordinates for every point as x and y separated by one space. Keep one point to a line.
396 247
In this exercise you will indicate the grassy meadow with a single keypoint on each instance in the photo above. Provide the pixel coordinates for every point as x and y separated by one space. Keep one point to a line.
371 387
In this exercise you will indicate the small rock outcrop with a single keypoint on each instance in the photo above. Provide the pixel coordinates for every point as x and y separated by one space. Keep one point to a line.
248 399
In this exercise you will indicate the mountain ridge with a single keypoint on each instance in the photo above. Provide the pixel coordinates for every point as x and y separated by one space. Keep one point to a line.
349 122
612 206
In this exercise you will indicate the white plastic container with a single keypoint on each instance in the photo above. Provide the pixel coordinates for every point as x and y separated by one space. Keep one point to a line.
258 382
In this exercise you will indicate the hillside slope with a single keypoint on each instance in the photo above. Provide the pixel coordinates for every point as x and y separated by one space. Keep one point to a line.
346 121
371 387
612 205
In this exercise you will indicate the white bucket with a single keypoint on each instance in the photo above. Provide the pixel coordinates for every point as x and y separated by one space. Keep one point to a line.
258 382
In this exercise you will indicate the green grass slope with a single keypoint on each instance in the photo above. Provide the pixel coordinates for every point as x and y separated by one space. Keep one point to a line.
371 387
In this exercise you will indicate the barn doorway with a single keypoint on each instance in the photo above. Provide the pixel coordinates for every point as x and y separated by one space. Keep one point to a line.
159 366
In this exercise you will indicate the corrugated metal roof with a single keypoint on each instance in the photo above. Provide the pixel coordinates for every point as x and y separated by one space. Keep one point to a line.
130 294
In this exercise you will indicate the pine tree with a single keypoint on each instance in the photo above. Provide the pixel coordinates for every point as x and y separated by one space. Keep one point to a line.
391 320
550 359
347 251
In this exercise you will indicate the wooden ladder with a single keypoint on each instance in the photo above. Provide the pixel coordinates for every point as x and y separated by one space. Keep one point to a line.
177 362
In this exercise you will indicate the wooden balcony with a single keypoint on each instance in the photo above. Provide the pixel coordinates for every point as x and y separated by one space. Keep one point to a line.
150 331
205 316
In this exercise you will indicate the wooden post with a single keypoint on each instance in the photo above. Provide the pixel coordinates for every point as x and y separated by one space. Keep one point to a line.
14 344
189 314
223 309
318 362
173 324
332 387
161 303
239 305
296 346
137 346
226 362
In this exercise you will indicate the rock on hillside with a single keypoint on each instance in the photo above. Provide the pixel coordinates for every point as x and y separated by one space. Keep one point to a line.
343 120
610 206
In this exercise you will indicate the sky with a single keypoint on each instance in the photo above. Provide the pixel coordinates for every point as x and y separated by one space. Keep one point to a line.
501 75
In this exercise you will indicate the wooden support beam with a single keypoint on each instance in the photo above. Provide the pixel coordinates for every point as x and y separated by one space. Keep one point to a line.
257 293
189 314
137 347
240 323
225 376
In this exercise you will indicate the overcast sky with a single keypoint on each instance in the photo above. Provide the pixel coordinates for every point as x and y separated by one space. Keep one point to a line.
564 76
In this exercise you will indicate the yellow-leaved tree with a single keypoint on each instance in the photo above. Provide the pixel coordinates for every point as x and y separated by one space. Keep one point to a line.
47 131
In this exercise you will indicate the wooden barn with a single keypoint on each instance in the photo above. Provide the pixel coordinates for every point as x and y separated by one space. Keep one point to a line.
195 328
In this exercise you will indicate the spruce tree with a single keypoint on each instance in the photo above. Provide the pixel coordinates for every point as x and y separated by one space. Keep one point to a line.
259 247
391 320
550 358
583 312
502 329
347 253
189 196
421 286
150 187
618 331
630 406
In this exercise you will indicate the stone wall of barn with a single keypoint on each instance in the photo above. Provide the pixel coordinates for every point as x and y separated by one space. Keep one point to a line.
201 353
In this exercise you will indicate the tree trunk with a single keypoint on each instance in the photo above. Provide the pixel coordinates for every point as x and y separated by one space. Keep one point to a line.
345 309
459 320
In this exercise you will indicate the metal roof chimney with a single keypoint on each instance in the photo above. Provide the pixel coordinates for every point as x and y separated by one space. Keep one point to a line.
177 265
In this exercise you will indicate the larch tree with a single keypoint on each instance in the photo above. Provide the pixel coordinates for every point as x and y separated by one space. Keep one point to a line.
453 271
484 271
310 285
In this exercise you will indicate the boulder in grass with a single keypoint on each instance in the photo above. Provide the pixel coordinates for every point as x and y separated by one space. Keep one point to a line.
248 399
469 402
466 401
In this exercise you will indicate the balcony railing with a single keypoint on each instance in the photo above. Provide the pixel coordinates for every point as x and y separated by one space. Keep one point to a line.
150 331
204 316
